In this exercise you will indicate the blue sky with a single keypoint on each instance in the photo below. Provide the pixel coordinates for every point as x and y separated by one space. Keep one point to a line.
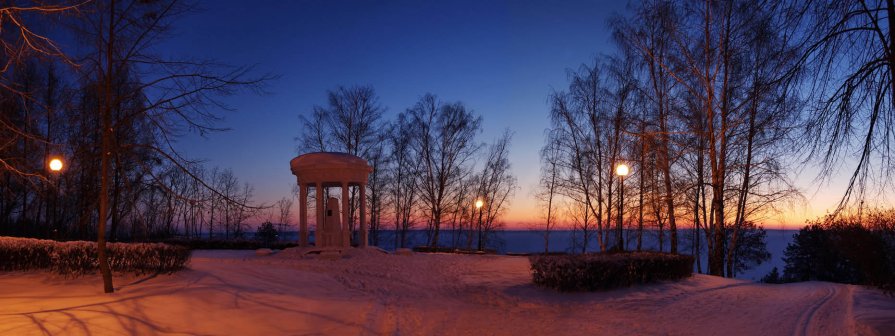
501 58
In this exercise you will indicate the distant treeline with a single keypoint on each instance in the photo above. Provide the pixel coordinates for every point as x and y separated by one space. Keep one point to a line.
854 249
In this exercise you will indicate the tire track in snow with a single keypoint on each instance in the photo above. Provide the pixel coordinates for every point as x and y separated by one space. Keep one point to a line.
807 324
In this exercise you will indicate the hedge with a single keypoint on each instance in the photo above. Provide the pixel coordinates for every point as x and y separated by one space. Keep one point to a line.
227 244
79 257
593 272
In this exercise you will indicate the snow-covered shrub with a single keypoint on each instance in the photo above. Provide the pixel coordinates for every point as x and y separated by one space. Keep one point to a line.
148 257
607 271
74 258
25 253
80 257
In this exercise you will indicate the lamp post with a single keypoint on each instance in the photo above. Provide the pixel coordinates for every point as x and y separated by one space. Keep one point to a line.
621 170
479 203
55 165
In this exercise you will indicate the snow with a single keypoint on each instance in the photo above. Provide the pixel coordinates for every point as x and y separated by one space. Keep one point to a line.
370 292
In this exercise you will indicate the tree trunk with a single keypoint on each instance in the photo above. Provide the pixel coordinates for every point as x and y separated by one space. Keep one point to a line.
599 217
665 166
643 149
700 191
105 155
744 188
116 193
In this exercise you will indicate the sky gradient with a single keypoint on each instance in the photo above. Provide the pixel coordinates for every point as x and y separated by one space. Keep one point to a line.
500 58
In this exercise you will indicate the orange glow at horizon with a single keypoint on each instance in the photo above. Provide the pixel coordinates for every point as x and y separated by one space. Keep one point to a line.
519 219
815 200
524 212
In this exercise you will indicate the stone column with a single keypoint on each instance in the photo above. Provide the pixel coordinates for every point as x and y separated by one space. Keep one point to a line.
318 190
346 216
302 215
363 212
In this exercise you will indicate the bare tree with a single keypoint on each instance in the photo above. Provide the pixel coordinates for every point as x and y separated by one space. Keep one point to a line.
403 176
463 215
736 71
172 94
20 40
496 186
589 120
284 208
577 182
652 43
444 143
851 110
349 123
548 186
377 159
25 50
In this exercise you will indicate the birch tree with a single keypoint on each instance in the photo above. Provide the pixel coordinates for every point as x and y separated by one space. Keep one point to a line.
496 186
445 143
403 174
350 122
548 186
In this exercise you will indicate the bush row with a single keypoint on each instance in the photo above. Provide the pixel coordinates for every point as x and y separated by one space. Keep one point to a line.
80 257
232 244
593 272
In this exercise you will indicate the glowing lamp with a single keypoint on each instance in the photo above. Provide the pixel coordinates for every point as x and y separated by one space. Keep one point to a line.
622 170
55 165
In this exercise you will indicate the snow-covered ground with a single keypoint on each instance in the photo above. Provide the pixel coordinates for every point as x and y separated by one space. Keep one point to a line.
371 293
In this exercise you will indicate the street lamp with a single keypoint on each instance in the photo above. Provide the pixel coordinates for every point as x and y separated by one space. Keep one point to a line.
621 170
479 203
55 165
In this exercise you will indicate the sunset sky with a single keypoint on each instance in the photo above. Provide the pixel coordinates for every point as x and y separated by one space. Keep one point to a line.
500 58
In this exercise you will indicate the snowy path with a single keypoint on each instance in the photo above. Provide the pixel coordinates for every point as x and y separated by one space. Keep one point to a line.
828 312
237 293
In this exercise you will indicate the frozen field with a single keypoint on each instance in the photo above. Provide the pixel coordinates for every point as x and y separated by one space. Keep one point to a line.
371 293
